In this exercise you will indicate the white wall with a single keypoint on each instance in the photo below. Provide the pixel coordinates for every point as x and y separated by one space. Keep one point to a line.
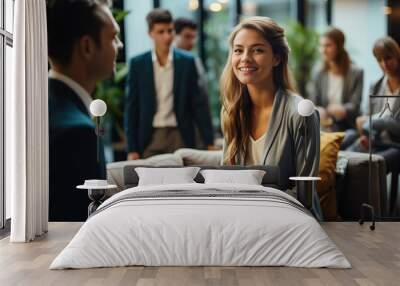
363 22
136 37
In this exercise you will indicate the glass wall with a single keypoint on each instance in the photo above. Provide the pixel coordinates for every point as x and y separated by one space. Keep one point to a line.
282 11
181 8
317 12
220 18
136 38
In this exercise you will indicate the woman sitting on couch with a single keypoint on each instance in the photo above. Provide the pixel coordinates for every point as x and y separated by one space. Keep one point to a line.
260 122
385 111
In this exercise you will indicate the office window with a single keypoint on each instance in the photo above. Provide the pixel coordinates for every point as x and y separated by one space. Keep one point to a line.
282 11
317 14
181 8
219 21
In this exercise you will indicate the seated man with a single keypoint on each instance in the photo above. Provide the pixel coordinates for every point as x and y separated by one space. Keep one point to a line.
81 52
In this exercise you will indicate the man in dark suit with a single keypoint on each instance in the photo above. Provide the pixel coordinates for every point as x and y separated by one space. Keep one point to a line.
163 102
82 46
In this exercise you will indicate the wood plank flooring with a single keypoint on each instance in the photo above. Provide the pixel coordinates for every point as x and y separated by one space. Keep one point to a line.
374 255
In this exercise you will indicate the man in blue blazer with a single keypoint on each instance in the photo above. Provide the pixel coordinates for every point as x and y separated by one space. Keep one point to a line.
81 52
163 102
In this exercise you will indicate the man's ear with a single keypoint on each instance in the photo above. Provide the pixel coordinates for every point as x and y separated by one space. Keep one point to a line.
150 34
86 46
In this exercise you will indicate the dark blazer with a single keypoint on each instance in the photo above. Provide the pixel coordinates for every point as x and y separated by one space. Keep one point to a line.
190 106
351 95
73 154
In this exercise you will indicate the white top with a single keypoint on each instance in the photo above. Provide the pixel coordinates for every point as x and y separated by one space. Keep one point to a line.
335 88
256 150
164 85
76 87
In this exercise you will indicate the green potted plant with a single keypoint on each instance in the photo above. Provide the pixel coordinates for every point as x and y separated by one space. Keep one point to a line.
303 43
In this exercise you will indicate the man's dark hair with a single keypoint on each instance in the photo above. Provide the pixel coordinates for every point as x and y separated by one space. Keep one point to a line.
158 16
69 20
183 23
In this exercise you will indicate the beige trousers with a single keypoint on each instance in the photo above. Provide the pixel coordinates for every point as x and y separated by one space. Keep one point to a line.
164 140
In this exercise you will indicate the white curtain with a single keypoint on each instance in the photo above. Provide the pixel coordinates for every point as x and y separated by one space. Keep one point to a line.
27 124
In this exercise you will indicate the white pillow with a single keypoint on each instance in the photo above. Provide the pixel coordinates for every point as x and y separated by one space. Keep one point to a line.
248 177
163 176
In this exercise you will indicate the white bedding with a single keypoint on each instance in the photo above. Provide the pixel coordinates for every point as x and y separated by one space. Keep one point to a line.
183 231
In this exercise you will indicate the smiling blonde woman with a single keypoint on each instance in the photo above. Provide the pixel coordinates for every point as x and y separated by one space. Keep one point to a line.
259 116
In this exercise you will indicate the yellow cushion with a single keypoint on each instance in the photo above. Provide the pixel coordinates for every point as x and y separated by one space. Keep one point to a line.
329 149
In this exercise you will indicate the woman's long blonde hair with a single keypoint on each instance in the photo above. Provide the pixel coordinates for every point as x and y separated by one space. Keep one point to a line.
236 103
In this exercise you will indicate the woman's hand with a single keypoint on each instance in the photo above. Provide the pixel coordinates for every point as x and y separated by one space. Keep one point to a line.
337 111
364 142
133 156
360 121
323 114
211 147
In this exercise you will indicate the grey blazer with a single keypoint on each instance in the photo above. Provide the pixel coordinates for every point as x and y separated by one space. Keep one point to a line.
389 124
351 96
285 140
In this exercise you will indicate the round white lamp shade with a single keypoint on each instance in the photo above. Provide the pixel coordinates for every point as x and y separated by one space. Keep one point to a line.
305 107
98 107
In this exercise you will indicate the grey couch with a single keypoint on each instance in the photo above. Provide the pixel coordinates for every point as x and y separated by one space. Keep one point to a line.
351 170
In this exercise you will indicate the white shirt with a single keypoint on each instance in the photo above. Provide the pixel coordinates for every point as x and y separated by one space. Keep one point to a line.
335 88
256 150
76 87
164 85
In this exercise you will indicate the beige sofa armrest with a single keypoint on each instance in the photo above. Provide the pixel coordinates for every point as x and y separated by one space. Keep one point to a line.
355 188
199 157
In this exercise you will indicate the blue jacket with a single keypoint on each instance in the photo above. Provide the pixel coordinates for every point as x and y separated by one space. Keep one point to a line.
190 106
72 154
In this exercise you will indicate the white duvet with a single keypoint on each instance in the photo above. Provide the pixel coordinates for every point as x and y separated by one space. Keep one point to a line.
188 231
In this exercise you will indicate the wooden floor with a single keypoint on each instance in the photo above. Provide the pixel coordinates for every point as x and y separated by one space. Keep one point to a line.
374 255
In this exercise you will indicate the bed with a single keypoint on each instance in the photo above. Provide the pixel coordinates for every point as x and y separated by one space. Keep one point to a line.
198 224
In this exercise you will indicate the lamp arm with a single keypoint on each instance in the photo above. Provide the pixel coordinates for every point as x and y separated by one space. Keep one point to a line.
98 137
305 141
305 137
